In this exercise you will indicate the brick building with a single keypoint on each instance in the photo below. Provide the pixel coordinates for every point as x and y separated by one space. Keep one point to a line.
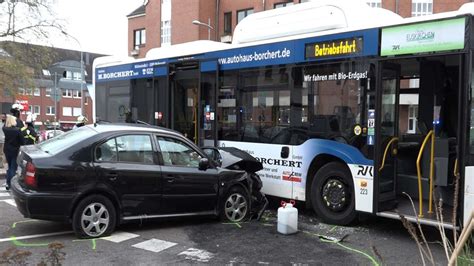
164 22
38 97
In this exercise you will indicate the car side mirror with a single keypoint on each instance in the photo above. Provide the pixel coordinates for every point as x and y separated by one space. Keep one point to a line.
203 164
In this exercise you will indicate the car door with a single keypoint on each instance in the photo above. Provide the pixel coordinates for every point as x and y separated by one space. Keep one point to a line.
127 164
186 189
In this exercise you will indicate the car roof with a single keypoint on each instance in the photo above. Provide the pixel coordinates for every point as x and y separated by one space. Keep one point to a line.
109 127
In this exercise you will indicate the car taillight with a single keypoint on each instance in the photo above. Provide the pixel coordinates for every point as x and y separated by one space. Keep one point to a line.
30 177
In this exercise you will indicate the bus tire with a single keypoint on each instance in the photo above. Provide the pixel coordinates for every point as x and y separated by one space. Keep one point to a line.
332 194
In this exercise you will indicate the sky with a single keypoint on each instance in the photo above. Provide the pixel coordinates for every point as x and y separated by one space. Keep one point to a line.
100 26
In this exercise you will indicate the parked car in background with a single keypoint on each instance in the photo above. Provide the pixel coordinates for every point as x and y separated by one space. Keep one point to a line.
98 176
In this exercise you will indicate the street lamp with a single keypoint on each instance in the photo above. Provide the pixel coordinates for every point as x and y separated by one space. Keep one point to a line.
82 70
208 25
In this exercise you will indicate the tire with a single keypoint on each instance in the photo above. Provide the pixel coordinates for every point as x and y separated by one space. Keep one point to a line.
235 207
332 194
84 218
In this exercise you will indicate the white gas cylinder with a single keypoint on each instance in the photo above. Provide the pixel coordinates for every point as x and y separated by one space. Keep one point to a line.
287 218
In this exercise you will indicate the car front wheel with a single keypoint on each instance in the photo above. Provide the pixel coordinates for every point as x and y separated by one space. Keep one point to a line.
236 207
94 217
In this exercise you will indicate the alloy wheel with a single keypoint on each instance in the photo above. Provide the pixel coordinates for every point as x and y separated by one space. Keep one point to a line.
236 207
95 219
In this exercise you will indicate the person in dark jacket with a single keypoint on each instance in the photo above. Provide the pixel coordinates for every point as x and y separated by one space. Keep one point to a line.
16 110
13 141
28 132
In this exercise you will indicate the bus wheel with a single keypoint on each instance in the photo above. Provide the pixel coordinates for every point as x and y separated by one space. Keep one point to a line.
332 194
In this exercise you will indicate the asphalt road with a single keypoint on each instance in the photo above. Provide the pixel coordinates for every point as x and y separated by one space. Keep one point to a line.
206 240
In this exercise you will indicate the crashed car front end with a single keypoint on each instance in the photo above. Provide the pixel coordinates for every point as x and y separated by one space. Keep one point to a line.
244 168
252 185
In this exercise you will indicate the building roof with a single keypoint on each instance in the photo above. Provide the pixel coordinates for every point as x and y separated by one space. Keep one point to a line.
137 12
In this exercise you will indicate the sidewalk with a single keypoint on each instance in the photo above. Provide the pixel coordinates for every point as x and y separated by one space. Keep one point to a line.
3 172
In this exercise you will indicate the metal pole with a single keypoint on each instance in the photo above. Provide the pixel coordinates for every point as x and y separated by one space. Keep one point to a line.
55 101
82 82
209 28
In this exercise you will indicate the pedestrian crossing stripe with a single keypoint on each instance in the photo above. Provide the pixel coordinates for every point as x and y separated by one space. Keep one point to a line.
197 255
10 201
154 245
4 194
118 237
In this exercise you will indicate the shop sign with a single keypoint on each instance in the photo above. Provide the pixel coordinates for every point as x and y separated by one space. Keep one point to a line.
443 35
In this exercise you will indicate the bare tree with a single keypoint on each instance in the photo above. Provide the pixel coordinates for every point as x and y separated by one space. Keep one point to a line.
23 22
28 20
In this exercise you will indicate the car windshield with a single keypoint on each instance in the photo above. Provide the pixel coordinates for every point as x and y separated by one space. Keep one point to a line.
66 140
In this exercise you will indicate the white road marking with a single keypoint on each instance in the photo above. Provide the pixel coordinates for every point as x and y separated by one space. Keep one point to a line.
10 201
35 236
154 245
4 194
197 255
118 237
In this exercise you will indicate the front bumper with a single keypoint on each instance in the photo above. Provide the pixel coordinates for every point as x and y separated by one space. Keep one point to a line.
259 204
41 205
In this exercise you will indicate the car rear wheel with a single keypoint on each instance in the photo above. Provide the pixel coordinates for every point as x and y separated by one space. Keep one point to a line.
94 217
236 207
332 194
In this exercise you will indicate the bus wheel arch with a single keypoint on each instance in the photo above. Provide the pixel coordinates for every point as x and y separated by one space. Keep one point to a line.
318 162
332 193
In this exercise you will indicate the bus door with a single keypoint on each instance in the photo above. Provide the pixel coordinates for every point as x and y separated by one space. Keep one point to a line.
207 103
161 87
386 117
184 98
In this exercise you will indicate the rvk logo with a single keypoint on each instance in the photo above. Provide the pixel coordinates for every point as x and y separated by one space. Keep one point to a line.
364 170
291 176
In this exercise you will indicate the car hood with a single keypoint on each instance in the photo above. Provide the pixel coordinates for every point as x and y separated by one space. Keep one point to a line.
235 159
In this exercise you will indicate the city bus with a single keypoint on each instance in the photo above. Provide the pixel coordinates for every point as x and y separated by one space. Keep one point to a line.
350 109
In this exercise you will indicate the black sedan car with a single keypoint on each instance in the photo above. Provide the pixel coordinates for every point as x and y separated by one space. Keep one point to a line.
98 176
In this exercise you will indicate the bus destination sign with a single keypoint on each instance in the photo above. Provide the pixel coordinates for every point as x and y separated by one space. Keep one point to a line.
335 48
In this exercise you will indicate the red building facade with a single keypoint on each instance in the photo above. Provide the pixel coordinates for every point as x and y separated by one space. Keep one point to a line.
72 100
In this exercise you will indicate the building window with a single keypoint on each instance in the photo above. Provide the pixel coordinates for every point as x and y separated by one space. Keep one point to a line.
50 110
166 32
412 115
241 14
139 37
23 91
375 3
67 93
421 7
76 75
36 109
279 5
67 111
76 94
37 92
48 92
228 23
76 111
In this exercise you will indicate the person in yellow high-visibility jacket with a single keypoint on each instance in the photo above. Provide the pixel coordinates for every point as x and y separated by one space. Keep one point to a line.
28 131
